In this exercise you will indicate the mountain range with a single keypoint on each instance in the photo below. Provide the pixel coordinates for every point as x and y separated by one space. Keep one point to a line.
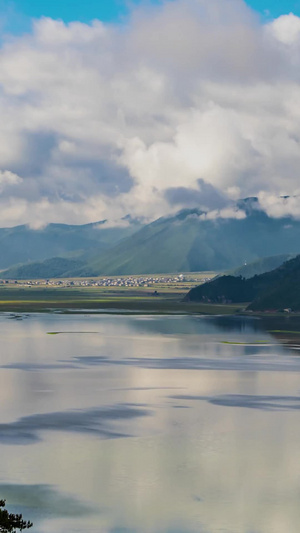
187 241
22 244
190 242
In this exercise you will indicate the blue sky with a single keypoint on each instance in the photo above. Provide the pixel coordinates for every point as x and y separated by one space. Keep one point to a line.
15 15
275 7
69 9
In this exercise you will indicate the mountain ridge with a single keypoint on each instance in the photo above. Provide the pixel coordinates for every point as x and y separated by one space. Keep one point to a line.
22 244
187 241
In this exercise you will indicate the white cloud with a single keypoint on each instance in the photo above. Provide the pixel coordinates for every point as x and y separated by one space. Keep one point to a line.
99 120
286 29
8 178
228 212
282 206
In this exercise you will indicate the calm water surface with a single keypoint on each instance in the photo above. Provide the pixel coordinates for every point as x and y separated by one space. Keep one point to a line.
135 424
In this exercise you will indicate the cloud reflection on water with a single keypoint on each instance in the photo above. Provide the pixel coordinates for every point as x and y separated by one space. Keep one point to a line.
249 363
266 403
42 499
197 363
92 421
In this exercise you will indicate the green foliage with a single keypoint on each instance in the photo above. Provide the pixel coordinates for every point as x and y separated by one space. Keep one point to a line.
225 289
275 290
10 522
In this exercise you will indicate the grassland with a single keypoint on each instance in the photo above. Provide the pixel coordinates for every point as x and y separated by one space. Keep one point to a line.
168 298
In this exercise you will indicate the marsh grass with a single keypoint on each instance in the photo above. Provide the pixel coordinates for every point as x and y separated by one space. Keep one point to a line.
285 331
245 343
67 300
72 332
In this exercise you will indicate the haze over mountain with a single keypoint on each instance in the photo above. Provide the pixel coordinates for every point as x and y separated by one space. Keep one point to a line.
260 266
23 244
188 241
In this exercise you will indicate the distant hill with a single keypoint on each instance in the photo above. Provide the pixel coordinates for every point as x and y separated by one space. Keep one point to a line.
275 290
260 266
281 292
57 267
22 244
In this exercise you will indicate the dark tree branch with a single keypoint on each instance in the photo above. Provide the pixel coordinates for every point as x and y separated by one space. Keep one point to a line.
10 522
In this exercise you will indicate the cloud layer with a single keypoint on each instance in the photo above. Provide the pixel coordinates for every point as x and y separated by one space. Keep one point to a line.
187 102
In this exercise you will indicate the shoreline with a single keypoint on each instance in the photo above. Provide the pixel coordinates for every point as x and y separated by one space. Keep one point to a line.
129 306
135 305
285 328
162 300
15 299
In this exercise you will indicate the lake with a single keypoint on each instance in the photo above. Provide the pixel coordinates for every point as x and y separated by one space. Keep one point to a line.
149 424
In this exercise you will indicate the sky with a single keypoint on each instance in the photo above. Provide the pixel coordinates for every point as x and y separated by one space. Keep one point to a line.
144 108
112 10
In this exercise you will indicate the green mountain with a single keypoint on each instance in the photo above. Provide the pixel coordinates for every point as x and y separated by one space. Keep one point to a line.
187 242
260 266
273 290
57 267
22 244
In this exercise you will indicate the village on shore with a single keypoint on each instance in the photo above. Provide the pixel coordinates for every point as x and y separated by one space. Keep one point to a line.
123 281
